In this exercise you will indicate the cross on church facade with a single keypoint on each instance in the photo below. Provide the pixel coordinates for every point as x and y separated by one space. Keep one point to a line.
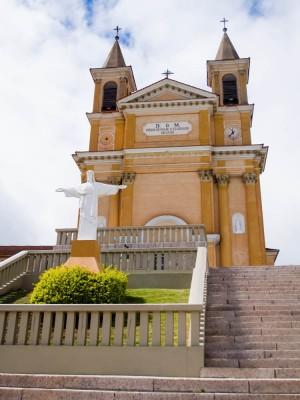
224 20
167 73
117 29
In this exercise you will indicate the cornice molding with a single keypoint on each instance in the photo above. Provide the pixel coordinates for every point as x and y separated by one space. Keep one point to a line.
169 84
256 152
171 106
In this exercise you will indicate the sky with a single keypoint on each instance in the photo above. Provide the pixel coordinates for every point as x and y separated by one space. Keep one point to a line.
46 50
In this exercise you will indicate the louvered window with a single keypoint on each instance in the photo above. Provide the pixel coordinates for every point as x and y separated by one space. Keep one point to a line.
230 95
109 97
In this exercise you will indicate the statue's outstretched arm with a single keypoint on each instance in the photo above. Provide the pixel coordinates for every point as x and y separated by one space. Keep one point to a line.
104 189
69 192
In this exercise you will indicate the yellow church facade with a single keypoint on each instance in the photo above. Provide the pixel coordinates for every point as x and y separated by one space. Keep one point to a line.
184 153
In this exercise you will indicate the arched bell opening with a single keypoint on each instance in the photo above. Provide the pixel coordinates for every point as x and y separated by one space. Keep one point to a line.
230 93
109 102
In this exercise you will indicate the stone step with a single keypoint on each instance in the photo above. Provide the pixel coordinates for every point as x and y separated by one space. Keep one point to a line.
250 325
212 346
270 363
264 313
162 388
240 331
254 318
238 294
247 291
253 354
235 354
232 314
246 373
68 394
252 363
250 373
255 282
237 396
225 339
247 346
287 308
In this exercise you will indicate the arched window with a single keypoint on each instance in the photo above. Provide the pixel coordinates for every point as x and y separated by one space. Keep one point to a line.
230 95
109 97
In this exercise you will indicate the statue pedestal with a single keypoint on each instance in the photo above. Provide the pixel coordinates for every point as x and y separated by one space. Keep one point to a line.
85 253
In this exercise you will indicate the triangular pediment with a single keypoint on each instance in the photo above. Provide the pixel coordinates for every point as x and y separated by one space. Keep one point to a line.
167 90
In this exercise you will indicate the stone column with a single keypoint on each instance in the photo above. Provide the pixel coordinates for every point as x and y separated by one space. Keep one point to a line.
207 199
256 252
126 199
225 221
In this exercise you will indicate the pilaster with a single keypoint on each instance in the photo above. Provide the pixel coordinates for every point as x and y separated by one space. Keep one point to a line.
204 127
114 203
225 222
126 199
243 87
219 129
94 136
245 125
96 103
119 140
130 131
207 201
257 255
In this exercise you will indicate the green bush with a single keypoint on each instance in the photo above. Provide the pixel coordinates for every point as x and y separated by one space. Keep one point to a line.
77 285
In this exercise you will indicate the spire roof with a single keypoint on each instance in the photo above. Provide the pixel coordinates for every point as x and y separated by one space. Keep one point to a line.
115 57
226 49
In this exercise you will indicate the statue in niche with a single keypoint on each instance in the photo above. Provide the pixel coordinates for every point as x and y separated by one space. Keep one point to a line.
88 194
238 223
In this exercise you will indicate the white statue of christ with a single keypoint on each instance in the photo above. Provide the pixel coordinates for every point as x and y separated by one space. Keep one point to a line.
88 194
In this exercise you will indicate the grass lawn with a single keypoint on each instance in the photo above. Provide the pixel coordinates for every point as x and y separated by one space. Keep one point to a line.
134 296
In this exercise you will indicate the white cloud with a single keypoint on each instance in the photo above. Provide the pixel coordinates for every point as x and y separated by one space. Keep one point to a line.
46 50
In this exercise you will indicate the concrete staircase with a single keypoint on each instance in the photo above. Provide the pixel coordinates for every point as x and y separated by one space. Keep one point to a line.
259 386
252 349
253 328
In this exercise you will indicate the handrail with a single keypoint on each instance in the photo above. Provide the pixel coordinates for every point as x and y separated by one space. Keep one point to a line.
100 307
198 283
15 257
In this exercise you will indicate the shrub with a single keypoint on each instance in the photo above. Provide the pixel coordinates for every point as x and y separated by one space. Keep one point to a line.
77 285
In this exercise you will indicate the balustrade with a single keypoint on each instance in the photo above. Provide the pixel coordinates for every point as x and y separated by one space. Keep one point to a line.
156 325
145 236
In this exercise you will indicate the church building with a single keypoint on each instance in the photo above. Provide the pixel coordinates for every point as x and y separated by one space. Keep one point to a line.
184 153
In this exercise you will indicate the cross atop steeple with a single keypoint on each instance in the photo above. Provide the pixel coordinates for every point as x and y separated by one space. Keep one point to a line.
224 20
167 73
117 29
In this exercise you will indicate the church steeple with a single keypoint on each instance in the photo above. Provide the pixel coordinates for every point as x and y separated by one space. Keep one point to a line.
115 57
228 74
226 49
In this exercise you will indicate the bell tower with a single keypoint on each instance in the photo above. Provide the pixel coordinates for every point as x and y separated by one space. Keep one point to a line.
113 81
228 76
